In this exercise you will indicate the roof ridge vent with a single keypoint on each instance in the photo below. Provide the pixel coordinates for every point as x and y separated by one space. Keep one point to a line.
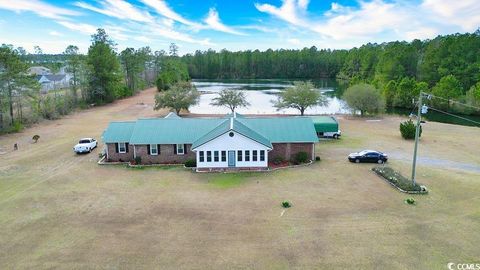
234 114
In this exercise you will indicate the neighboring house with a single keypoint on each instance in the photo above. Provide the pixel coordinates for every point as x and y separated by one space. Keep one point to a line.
52 82
64 71
215 143
39 70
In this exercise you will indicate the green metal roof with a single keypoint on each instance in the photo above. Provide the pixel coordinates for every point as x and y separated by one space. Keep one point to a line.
283 129
197 131
250 133
172 130
222 128
325 124
118 132
235 125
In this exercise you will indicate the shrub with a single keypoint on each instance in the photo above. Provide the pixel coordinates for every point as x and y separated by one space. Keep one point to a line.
35 138
397 179
191 163
286 204
138 160
278 160
317 158
301 157
410 201
17 126
408 129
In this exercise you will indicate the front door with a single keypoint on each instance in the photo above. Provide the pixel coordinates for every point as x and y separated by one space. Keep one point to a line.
231 158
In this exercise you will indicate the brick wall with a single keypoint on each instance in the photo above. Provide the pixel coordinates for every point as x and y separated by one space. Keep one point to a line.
288 150
166 155
119 157
284 150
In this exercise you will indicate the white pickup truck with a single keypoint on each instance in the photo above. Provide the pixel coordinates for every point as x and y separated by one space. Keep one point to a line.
85 145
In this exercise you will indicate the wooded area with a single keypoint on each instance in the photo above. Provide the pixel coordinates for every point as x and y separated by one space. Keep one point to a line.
100 77
399 69
447 66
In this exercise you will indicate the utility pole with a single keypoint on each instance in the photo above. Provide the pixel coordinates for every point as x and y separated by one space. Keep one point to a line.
417 134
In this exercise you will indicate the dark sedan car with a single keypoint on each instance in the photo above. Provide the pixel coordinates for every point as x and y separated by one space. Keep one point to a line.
368 156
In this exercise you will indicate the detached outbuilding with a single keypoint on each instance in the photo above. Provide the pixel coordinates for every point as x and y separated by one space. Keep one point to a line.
326 127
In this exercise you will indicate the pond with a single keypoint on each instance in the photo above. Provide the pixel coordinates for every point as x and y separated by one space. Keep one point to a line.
261 94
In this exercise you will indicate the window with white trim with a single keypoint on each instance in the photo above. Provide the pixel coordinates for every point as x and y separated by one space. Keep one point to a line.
224 156
153 149
215 156
247 155
209 156
254 155
262 155
202 156
180 149
122 148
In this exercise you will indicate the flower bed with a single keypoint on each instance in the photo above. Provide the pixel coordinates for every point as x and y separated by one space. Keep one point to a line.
399 181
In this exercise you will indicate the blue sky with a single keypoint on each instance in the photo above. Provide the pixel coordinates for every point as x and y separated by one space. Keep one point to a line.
231 24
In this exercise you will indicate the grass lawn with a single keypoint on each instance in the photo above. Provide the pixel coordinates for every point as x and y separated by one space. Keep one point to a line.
62 211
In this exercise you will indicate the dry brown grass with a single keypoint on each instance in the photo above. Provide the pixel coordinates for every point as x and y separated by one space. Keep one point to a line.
59 210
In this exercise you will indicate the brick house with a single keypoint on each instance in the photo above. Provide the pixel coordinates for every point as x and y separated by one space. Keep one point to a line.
234 141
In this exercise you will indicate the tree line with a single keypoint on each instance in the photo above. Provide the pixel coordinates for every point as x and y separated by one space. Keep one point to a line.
447 65
101 76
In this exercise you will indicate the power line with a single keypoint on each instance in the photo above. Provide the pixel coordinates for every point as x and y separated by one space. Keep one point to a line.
454 115
449 100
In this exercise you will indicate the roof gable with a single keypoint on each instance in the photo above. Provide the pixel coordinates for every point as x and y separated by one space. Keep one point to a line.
229 125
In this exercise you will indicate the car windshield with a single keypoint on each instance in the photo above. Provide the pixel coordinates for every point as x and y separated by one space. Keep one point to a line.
84 141
364 152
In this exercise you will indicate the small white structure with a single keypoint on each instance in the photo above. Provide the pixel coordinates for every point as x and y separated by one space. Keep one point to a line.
53 82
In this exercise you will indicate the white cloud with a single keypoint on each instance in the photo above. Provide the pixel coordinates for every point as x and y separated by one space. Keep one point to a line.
38 7
161 31
464 13
142 39
289 11
55 33
377 19
421 33
213 21
294 41
83 28
119 9
161 7
370 19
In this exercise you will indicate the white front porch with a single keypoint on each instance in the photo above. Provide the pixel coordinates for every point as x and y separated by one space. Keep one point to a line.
232 150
